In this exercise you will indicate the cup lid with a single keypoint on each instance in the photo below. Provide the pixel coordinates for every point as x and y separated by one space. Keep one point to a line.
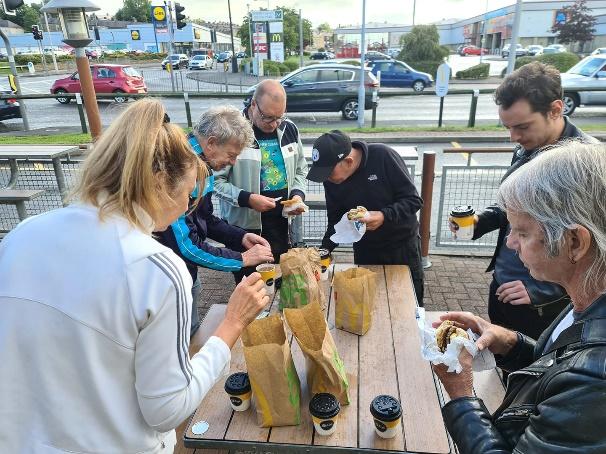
324 406
462 210
323 252
386 408
237 383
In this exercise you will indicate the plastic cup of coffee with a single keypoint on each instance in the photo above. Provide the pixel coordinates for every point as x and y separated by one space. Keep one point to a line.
268 274
463 217
386 412
325 260
324 408
238 387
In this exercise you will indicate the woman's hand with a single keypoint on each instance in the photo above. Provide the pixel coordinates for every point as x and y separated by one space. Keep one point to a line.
497 339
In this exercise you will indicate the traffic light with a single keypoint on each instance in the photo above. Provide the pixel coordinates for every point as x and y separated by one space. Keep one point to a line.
37 32
179 16
11 5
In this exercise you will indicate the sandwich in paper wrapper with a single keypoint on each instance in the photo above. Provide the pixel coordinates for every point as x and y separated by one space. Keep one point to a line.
443 345
349 229
288 206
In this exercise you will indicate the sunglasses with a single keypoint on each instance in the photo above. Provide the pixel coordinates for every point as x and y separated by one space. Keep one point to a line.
268 118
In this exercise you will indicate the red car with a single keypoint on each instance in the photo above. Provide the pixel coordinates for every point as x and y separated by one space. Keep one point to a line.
472 50
118 79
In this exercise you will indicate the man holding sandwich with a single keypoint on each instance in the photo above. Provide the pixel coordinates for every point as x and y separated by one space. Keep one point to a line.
371 183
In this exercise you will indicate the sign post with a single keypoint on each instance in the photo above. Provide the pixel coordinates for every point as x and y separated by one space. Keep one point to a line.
442 81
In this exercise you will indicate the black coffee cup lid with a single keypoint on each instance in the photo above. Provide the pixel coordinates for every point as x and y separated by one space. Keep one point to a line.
462 210
386 408
324 406
323 252
237 383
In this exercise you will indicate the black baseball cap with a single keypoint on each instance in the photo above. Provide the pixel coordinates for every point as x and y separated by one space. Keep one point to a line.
328 150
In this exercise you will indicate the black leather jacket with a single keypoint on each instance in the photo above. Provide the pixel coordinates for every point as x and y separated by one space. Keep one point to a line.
555 400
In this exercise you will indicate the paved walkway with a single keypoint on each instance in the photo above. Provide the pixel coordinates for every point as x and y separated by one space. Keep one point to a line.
452 283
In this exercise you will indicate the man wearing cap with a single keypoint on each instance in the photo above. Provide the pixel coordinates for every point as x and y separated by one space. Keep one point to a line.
271 170
376 177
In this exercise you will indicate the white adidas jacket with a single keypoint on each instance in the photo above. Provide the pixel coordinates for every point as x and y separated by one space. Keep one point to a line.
94 337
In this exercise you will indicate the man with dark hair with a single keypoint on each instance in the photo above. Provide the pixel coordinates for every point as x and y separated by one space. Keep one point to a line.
530 107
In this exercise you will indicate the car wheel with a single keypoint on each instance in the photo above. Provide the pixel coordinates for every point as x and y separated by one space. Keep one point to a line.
571 102
350 109
418 86
61 91
120 99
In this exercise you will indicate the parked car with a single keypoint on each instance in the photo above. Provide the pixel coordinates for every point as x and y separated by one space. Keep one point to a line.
520 51
117 79
241 55
559 48
373 55
396 73
201 62
177 61
535 49
599 50
223 57
393 52
9 108
550 50
326 87
322 56
588 73
472 50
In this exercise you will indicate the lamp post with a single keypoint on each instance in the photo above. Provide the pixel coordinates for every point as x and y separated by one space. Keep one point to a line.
234 60
72 14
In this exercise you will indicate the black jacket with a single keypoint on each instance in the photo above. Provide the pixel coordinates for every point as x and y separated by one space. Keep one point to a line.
494 217
381 183
555 401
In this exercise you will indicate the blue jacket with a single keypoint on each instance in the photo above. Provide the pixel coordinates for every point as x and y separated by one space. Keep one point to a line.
187 235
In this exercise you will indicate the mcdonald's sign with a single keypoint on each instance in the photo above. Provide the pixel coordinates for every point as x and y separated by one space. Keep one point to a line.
276 38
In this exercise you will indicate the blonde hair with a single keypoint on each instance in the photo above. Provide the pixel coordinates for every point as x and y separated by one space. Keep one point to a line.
140 160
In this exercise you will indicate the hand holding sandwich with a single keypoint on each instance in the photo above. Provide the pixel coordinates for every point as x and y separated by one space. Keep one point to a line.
294 201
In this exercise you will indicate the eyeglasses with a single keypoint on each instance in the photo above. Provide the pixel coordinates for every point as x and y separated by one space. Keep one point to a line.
268 118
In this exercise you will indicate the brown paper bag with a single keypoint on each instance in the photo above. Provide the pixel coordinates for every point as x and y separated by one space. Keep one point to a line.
271 370
355 291
301 271
325 369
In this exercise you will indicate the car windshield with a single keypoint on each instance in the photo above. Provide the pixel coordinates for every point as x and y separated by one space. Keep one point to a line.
174 57
587 66
199 57
223 55
130 71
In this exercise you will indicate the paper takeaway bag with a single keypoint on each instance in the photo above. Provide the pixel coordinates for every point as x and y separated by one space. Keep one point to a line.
301 271
355 291
325 369
273 377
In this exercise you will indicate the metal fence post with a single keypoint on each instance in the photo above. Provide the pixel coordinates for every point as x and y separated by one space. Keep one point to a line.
187 110
81 113
429 164
375 99
472 110
226 86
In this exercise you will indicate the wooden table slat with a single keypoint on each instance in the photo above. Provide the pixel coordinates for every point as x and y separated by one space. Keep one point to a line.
420 402
377 369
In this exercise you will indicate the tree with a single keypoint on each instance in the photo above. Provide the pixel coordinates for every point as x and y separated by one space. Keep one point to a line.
291 31
27 15
324 28
422 44
139 10
578 25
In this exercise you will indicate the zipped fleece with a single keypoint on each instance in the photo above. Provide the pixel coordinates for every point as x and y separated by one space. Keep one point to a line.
235 184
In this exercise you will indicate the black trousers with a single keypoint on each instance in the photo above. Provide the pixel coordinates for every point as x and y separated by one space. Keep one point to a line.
406 253
524 318
275 231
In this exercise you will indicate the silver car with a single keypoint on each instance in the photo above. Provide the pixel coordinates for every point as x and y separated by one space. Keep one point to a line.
587 74
200 62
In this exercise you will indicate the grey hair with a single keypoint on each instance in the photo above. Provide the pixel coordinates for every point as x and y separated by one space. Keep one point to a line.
563 187
227 124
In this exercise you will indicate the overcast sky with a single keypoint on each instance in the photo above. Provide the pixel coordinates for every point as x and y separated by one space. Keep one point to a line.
337 12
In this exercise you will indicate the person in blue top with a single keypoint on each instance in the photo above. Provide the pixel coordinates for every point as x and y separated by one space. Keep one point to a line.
218 138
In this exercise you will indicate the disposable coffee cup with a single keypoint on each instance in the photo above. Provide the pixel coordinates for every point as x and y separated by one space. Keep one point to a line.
238 387
386 412
463 217
268 273
324 408
325 260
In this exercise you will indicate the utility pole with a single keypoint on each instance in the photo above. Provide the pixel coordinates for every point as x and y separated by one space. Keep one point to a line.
11 62
514 37
171 47
414 10
483 39
362 87
234 60
300 39
50 41
250 43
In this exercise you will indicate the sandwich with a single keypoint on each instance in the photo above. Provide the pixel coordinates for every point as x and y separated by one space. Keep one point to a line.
446 332
289 203
356 213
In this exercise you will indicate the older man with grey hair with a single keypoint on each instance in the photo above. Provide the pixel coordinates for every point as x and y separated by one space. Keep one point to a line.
218 138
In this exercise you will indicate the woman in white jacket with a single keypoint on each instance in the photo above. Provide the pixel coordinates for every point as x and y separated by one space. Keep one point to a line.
94 313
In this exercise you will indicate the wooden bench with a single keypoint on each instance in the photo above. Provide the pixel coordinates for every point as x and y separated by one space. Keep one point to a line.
18 197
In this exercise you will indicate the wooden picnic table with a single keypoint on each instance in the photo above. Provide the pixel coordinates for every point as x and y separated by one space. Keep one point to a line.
386 360
14 153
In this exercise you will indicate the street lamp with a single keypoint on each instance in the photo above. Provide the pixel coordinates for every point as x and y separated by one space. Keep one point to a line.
72 14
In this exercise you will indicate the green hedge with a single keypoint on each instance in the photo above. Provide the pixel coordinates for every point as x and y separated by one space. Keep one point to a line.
480 71
562 61
273 68
429 67
292 64
36 59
